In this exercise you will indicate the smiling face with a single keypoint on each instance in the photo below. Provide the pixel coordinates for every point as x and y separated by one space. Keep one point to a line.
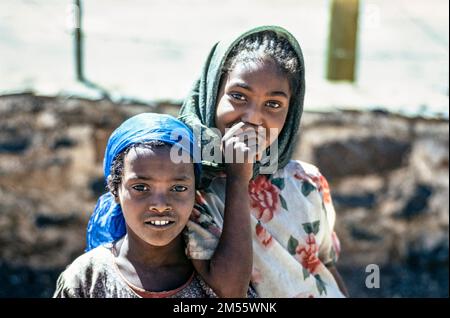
256 93
155 194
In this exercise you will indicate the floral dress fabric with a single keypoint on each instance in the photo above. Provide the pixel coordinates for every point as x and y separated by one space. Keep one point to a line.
292 231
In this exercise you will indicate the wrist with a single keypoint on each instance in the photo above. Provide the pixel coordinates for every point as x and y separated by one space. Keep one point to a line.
238 179
239 171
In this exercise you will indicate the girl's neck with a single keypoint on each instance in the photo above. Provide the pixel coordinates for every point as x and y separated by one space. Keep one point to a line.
152 268
142 254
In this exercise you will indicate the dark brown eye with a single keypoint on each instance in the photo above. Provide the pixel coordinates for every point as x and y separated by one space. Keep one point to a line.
179 188
140 187
238 96
273 104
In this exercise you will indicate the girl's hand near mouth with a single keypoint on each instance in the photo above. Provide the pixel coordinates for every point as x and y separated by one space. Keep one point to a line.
241 147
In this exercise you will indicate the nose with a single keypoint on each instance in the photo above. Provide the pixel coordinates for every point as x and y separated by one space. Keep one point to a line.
159 204
252 115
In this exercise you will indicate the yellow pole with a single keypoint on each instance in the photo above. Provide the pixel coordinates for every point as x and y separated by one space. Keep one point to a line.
342 40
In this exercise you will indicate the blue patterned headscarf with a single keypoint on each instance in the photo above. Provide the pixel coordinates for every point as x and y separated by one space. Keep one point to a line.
107 222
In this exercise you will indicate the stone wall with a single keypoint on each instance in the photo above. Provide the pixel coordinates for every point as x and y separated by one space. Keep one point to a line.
388 176
390 184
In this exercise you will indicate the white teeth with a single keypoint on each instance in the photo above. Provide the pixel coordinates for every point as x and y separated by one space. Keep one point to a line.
159 223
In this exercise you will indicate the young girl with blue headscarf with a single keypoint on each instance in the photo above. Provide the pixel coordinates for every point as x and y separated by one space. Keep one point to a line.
135 235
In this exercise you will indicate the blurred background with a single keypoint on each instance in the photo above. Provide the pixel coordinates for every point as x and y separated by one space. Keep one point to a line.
375 121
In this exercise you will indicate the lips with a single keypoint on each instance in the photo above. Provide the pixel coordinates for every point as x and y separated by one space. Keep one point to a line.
159 222
159 225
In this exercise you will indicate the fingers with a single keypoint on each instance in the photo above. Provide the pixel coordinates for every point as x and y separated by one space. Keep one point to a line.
233 142
229 143
249 137
232 130
244 142
236 151
237 130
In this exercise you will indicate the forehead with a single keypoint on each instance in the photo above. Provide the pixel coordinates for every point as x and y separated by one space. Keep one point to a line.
155 163
259 74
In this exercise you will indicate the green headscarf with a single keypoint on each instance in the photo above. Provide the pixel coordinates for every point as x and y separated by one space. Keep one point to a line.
199 109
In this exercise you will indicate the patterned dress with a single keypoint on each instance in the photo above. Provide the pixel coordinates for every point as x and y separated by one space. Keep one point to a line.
292 230
95 275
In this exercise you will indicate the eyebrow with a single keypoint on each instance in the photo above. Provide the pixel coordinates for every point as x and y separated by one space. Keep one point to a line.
279 93
178 178
247 87
242 85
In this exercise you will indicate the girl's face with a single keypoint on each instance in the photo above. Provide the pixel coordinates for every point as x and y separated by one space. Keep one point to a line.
255 93
156 195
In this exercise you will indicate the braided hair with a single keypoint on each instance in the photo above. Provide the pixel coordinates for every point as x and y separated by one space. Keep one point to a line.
260 47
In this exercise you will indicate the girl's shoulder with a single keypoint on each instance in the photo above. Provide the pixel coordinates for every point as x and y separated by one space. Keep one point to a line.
89 262
82 273
296 168
97 255
306 174
310 178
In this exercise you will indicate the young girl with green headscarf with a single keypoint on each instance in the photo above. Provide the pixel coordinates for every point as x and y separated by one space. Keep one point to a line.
257 81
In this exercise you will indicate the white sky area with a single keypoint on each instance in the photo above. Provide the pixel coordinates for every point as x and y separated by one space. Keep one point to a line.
153 50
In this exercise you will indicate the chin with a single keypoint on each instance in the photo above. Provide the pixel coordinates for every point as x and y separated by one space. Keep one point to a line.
160 242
